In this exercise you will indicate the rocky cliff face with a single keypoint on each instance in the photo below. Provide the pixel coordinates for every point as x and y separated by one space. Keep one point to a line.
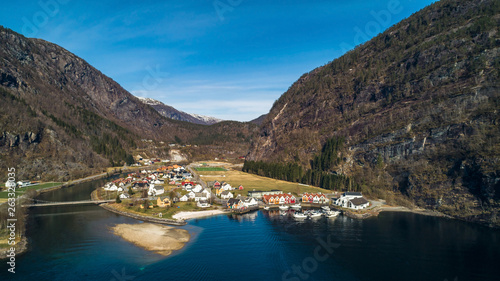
418 106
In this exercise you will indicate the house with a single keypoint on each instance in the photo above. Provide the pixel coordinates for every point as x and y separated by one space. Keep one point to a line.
184 198
158 181
163 202
191 195
279 199
218 191
317 198
141 185
217 184
110 187
234 203
240 187
259 193
199 196
203 204
227 186
206 192
197 188
249 202
352 200
226 194
124 196
155 190
358 203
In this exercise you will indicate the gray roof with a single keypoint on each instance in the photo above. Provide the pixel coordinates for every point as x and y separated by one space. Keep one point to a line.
199 194
359 201
352 194
225 192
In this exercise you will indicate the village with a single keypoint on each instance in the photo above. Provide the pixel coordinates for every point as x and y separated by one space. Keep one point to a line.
169 190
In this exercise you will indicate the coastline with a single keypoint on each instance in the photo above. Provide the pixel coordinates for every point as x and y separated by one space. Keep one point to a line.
374 212
109 207
198 214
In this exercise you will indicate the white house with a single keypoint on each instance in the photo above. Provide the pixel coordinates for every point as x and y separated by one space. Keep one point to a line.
191 195
206 192
124 196
227 187
197 188
249 202
9 184
200 196
155 190
203 204
110 187
184 198
226 195
352 200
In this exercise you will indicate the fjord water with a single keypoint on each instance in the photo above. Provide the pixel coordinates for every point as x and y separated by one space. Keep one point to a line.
74 243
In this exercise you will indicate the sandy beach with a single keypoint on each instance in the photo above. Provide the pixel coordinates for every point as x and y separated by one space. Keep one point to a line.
199 214
153 237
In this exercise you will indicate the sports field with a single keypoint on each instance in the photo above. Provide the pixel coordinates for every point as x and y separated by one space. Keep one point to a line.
210 169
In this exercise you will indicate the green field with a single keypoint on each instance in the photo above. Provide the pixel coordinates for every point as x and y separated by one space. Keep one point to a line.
20 191
251 182
210 169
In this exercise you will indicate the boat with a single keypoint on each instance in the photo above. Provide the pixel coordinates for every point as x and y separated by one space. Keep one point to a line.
325 208
314 214
283 213
283 207
331 214
296 206
266 208
299 215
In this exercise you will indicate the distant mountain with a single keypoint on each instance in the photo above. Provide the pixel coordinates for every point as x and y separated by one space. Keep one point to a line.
172 113
413 113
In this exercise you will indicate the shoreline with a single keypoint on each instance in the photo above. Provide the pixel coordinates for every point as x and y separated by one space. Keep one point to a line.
198 214
176 222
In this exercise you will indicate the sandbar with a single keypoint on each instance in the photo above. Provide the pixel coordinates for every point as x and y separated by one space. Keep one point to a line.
153 237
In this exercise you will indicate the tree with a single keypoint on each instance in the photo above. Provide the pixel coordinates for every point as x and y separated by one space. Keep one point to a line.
118 200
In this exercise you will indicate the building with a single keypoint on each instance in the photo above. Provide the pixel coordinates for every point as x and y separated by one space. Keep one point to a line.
279 199
259 193
203 204
226 195
163 202
235 203
317 198
352 200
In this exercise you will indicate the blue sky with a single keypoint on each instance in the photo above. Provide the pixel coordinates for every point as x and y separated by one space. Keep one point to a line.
225 58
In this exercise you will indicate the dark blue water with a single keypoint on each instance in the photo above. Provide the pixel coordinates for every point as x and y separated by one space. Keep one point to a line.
74 243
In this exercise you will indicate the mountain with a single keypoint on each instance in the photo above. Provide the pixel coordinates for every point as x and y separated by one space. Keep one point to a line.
410 116
61 118
172 113
259 120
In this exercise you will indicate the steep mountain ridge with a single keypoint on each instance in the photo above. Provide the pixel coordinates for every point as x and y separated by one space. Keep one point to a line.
418 107
61 118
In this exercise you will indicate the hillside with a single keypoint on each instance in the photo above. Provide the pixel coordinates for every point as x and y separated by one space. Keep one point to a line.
172 113
61 118
416 108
